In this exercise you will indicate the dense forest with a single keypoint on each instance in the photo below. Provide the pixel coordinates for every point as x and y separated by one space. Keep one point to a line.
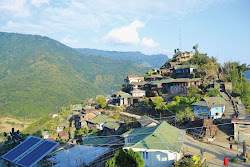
136 57
38 75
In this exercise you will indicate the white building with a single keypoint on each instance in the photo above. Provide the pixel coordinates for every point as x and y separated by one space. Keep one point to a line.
133 78
138 93
159 145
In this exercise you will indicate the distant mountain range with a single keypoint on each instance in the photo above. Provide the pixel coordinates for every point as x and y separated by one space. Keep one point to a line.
38 75
136 57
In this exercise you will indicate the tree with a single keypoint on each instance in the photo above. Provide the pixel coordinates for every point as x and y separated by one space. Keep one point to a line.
183 116
159 104
213 92
101 101
188 162
49 125
124 158
124 88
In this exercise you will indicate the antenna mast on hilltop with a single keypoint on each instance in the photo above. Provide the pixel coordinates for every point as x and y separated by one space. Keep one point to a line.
180 39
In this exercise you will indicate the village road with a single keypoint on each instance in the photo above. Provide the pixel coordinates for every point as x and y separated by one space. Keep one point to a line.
214 154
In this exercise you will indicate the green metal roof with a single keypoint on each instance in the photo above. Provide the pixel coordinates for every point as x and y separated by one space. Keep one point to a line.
178 67
112 125
77 107
102 119
145 120
210 102
96 141
161 137
125 95
119 92
168 80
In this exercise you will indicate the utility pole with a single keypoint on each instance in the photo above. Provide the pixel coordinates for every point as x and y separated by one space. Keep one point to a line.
180 39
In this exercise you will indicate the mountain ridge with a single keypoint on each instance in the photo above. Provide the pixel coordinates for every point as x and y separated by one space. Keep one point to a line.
38 75
144 60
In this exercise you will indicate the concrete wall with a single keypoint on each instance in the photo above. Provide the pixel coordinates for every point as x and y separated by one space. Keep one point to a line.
243 130
218 110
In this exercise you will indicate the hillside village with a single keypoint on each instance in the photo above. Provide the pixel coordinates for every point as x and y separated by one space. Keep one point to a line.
169 115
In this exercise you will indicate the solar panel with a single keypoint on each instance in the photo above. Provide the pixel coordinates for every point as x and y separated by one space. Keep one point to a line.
37 154
22 148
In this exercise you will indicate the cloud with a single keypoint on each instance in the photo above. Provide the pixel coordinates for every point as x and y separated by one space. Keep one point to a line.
38 3
24 27
69 42
14 8
125 35
149 43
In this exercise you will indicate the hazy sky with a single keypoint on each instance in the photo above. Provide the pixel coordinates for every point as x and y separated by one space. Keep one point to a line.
220 27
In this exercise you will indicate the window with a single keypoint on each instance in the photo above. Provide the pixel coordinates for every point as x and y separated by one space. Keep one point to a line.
144 154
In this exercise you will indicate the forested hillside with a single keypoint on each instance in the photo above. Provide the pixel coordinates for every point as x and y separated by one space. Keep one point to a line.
154 61
38 75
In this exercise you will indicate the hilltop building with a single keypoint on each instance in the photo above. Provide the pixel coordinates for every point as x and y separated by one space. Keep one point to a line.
159 145
210 107
183 56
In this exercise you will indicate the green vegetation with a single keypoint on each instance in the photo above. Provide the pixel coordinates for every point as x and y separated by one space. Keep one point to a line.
36 126
213 92
187 162
235 160
101 101
136 57
39 75
124 158
206 66
233 72
80 132
124 88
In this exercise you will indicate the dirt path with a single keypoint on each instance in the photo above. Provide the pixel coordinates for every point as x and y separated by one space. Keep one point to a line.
130 115
214 154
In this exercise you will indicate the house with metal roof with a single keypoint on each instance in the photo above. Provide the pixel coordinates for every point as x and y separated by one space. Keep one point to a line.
210 107
138 93
184 71
76 108
78 156
154 78
159 145
99 121
181 85
146 121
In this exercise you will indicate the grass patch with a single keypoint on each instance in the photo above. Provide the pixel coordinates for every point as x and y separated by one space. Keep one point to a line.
235 160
